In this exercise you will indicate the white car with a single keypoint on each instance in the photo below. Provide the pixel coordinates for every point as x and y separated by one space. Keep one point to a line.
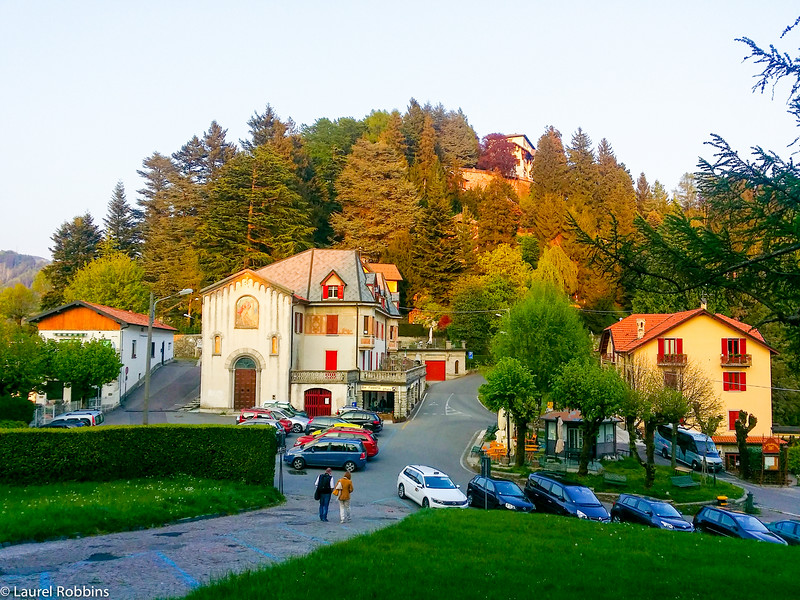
430 488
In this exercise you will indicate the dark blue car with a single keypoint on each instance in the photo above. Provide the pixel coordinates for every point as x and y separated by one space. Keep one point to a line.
729 523
486 492
648 511
349 455
554 494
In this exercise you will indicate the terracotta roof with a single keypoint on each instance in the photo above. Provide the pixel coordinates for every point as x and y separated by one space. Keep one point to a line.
731 439
120 316
655 325
390 272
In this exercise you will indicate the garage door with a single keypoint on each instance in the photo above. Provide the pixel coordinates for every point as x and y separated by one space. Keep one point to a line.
436 370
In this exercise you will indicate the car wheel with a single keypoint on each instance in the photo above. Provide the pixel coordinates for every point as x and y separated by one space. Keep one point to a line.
297 428
298 464
695 466
401 490
470 500
664 453
425 503
350 466
615 519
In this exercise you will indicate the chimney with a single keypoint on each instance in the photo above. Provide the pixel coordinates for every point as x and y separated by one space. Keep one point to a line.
639 329
703 303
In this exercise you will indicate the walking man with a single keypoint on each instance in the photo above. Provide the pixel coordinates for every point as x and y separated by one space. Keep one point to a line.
343 489
323 488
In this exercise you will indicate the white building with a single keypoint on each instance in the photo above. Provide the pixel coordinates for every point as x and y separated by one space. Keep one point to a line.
126 331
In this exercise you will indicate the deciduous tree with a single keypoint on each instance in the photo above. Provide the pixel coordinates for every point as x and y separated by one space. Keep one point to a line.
113 280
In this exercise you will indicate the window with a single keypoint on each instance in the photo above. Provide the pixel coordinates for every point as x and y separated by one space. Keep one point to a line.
331 360
332 324
733 416
734 346
133 348
152 350
298 322
669 347
734 381
274 348
333 290
217 344
671 380
366 325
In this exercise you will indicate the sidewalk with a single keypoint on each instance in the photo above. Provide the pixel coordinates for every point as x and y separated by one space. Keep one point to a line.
171 561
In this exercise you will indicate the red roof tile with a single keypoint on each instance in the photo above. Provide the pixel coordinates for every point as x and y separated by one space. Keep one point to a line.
731 439
129 317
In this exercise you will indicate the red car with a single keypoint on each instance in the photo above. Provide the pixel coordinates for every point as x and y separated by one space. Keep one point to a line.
370 445
261 413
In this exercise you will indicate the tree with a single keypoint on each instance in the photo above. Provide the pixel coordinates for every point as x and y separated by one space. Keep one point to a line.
686 195
744 424
556 268
746 241
113 280
473 310
661 405
85 366
23 365
74 245
457 142
122 228
499 215
378 202
598 393
497 154
509 385
543 332
18 302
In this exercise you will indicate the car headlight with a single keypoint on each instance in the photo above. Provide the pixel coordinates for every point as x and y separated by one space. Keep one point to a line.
581 514
509 506
667 525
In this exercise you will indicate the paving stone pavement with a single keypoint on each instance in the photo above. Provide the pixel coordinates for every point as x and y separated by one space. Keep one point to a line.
172 560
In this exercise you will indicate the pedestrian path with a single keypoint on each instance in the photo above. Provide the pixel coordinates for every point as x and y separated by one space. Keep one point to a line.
171 561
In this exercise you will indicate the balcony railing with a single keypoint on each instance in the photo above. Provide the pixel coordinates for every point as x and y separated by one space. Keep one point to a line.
366 341
736 360
324 376
396 377
392 345
671 360
355 376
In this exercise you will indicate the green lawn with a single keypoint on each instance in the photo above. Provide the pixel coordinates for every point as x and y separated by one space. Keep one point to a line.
472 554
88 508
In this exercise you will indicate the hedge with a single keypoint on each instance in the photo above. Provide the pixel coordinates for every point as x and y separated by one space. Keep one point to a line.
37 456
14 408
794 459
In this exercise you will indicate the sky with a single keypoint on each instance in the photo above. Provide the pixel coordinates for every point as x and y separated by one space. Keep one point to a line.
88 90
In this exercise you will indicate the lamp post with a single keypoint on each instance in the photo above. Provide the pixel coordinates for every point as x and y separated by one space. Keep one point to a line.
150 317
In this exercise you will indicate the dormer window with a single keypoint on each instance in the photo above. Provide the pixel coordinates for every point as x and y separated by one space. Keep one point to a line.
332 291
332 287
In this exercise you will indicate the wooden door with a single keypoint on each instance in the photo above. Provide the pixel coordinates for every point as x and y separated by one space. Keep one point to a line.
317 401
244 384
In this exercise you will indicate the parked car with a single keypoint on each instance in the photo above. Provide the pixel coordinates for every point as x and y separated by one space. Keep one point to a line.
553 494
430 488
298 423
365 418
788 530
280 430
68 418
95 415
729 523
349 455
648 511
287 408
370 444
63 424
324 421
487 492
263 413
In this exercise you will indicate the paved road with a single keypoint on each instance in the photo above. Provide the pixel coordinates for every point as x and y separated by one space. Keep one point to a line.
172 560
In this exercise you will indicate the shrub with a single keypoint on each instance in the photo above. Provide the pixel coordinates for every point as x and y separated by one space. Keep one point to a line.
6 424
34 456
14 408
794 459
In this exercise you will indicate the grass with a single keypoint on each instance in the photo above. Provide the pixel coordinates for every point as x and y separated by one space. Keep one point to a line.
76 509
472 554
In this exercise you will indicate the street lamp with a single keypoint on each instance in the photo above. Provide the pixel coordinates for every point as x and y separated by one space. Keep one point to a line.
150 317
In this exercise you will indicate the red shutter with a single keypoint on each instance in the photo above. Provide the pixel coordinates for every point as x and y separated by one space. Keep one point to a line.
679 345
733 416
660 347
324 292
743 346
742 381
332 324
724 347
726 381
340 292
331 360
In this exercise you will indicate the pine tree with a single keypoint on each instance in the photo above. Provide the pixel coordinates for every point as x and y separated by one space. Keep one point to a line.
122 228
378 202
218 150
582 171
644 196
413 125
499 215
74 246
544 209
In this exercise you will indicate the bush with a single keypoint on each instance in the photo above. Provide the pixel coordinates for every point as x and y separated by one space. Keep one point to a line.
13 425
36 456
794 459
14 408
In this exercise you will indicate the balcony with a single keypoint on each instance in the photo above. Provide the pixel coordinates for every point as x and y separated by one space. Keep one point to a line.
392 345
393 377
366 341
736 360
671 360
324 376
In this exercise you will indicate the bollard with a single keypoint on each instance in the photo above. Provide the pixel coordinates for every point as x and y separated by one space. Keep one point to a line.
722 501
749 505
486 466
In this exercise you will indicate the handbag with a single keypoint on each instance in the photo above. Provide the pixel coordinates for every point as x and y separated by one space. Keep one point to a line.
338 488
316 494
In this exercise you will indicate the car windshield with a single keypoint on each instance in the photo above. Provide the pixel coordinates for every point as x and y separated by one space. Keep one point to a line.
507 488
707 448
750 523
439 482
582 495
662 509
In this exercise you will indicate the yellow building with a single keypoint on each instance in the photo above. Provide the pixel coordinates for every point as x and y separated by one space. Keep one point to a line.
732 354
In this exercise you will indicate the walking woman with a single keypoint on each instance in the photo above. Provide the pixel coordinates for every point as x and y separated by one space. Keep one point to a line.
343 489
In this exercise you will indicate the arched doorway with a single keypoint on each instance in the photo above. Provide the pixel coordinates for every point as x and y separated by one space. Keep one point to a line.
244 383
317 401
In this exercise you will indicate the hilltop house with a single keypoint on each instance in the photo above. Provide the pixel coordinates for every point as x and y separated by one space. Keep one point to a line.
318 329
733 355
126 331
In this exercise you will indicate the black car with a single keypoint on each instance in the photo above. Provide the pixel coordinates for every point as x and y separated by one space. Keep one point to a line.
367 419
788 530
487 492
729 523
648 511
323 422
554 494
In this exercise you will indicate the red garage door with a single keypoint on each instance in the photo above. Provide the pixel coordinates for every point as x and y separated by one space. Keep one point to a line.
436 370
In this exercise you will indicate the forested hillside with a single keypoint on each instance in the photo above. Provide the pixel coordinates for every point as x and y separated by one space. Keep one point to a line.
18 268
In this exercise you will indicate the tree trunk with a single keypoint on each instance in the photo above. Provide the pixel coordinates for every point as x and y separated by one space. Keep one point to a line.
672 463
650 451
590 431
630 425
522 431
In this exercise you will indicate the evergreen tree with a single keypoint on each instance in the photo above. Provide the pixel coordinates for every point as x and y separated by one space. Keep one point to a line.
457 142
545 209
74 245
218 150
268 128
158 172
499 215
378 202
413 125
644 196
582 171
122 228
255 215
556 269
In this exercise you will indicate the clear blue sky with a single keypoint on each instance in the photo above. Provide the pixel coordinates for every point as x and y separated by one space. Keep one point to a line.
89 89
